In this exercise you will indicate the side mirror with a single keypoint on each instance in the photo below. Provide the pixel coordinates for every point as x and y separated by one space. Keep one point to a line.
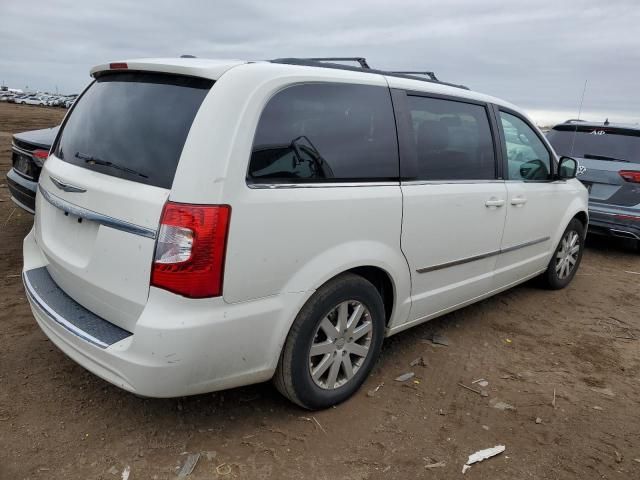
567 168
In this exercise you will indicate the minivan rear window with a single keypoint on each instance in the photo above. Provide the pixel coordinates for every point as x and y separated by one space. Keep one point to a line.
132 125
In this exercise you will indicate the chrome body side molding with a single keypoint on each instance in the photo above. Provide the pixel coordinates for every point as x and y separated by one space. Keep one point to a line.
481 256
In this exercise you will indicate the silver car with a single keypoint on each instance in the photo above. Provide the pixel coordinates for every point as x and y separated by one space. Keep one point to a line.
609 166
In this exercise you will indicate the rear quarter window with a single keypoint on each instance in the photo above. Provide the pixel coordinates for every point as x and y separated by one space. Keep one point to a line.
325 132
132 125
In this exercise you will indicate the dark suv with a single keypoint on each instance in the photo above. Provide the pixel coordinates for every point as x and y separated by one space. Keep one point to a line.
609 166
28 152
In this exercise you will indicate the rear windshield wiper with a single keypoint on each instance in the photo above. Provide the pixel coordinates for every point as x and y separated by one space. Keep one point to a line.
97 161
604 157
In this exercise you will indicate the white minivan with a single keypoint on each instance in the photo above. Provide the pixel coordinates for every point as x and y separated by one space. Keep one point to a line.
203 224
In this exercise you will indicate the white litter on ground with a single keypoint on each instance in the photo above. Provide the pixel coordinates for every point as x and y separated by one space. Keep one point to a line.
126 472
481 455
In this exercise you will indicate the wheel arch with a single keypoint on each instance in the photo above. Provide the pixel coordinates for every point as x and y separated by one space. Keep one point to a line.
583 218
383 282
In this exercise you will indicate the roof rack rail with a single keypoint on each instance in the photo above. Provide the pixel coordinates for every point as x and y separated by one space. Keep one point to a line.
431 75
325 62
361 60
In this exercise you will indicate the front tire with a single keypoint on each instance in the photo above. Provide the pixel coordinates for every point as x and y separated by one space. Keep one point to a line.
566 258
333 344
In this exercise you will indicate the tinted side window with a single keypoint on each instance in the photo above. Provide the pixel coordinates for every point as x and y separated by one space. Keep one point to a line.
453 140
326 133
527 157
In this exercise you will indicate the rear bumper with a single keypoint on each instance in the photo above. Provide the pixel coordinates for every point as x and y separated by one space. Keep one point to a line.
615 221
23 191
178 347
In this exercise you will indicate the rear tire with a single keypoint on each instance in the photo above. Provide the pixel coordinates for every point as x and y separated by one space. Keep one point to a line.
566 258
333 343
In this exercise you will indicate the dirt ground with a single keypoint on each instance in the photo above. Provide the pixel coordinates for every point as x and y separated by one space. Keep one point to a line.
579 346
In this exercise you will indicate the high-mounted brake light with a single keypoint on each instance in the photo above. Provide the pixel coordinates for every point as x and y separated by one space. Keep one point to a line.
632 176
118 66
190 250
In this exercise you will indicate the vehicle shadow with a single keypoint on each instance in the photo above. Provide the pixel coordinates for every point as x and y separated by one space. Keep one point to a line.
606 244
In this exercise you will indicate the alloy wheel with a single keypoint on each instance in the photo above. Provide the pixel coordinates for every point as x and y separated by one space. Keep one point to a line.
567 255
340 345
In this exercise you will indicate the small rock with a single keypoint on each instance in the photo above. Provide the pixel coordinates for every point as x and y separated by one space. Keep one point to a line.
618 457
483 383
538 420
598 408
604 391
405 376
418 362
637 460
500 405
439 339
485 427
484 393
441 412
113 470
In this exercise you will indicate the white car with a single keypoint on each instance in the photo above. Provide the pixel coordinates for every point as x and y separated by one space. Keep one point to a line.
203 224
31 101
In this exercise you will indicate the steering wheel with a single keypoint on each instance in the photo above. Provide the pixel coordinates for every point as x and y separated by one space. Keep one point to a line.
534 170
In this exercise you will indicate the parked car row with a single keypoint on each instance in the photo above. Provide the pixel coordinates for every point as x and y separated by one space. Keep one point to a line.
38 99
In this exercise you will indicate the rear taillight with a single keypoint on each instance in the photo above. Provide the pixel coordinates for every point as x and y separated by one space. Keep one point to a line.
632 176
190 250
39 156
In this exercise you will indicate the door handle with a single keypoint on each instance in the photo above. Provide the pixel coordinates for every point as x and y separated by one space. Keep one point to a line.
518 201
494 202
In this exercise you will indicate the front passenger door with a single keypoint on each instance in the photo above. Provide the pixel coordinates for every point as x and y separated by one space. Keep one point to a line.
535 202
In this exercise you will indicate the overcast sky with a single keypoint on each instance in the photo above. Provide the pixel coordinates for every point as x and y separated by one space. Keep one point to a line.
536 54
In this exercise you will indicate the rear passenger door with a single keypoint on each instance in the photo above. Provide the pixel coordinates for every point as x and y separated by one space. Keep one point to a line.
453 199
536 202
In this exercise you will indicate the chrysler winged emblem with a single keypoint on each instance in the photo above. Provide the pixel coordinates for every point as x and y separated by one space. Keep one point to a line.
67 187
